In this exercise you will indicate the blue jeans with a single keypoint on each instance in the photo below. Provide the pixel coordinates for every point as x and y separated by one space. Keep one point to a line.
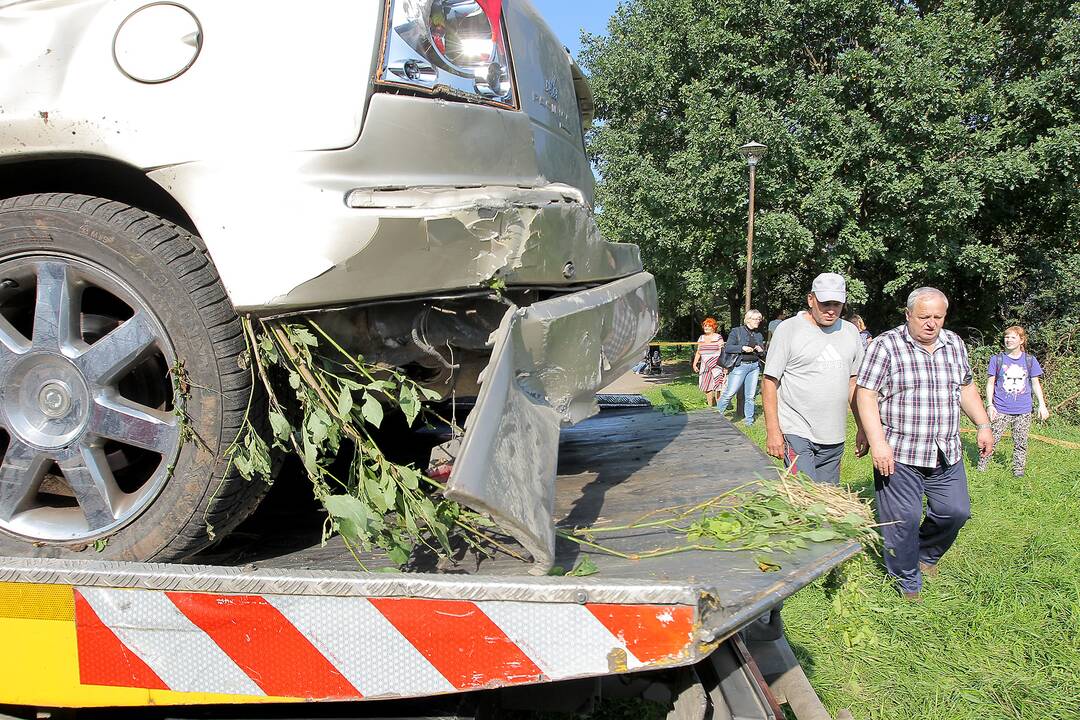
742 375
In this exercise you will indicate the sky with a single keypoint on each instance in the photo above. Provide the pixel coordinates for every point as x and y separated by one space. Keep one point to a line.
568 17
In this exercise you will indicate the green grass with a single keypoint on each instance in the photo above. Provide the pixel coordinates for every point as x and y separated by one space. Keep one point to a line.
998 632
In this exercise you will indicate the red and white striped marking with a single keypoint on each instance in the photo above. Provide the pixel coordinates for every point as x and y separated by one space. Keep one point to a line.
347 648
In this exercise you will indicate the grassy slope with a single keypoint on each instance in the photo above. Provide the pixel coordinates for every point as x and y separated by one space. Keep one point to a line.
998 633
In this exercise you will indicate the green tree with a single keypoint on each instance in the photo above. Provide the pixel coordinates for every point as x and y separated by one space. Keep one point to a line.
909 144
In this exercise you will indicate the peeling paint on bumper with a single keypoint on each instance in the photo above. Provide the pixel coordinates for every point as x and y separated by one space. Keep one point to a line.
548 361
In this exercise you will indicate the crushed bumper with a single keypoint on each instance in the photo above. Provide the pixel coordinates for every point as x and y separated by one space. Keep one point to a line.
548 361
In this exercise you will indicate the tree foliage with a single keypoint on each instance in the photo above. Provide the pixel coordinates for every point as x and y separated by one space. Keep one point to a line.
910 143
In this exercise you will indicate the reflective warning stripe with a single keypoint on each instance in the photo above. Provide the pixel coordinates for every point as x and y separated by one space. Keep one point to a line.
347 648
108 661
266 646
649 636
460 641
564 640
154 630
343 630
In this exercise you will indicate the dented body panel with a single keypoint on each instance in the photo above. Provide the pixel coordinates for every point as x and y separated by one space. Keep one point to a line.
548 362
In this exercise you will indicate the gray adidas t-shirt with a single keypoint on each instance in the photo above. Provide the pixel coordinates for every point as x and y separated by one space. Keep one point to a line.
814 366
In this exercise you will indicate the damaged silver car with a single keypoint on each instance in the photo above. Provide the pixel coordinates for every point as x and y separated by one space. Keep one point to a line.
167 166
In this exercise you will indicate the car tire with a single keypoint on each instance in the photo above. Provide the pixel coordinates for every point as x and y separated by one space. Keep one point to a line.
122 385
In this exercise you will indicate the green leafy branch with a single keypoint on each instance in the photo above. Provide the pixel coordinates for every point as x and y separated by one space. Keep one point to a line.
337 400
784 515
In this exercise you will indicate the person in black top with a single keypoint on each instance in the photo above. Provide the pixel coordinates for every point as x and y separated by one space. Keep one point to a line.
745 345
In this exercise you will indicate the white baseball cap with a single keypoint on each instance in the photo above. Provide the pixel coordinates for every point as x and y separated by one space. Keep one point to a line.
830 287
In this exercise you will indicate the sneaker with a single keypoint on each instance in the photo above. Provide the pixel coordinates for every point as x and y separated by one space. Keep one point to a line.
1019 473
911 596
927 569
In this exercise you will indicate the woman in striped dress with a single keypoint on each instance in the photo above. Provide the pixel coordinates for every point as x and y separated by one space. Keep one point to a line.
711 374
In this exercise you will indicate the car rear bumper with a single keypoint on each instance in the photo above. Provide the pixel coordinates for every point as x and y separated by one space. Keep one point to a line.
547 363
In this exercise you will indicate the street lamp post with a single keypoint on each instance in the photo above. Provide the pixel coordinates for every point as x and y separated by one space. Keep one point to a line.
752 151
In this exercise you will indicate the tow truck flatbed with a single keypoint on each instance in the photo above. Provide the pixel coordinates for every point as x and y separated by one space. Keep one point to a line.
271 621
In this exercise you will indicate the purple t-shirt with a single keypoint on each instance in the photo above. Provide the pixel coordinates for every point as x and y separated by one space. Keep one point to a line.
1012 382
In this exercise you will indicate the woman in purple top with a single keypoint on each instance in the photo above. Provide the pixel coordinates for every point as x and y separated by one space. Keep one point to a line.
1013 377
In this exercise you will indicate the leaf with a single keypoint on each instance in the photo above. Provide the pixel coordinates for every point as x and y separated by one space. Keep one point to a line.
430 394
294 380
584 567
766 565
442 535
374 492
822 535
557 571
280 426
100 544
854 519
410 404
303 336
258 453
372 410
318 424
389 490
398 555
311 457
410 521
269 350
351 515
243 465
344 403
427 510
409 478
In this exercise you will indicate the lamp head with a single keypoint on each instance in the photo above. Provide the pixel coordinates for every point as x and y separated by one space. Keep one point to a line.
752 151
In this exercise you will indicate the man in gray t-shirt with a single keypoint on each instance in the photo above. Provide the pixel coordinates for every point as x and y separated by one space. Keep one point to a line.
809 380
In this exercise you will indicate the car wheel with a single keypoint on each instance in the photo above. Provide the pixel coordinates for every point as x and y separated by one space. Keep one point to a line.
120 385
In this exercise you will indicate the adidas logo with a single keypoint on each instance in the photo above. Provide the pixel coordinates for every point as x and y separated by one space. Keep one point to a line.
829 354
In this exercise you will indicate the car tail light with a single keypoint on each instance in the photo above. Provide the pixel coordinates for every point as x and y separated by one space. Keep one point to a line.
452 47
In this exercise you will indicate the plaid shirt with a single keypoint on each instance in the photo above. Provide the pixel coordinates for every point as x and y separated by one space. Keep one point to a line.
918 394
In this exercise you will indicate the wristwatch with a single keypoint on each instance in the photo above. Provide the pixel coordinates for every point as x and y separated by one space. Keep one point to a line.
982 426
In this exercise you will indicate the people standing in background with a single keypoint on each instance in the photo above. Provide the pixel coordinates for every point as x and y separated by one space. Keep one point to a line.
747 346
864 335
706 362
913 383
809 382
775 323
1013 377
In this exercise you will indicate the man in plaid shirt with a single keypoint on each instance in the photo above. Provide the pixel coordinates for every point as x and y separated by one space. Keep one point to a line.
913 383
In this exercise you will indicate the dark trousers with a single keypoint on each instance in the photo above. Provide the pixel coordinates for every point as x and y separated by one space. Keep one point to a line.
820 463
909 538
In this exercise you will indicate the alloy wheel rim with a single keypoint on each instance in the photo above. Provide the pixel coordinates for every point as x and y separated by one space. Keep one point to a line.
90 433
